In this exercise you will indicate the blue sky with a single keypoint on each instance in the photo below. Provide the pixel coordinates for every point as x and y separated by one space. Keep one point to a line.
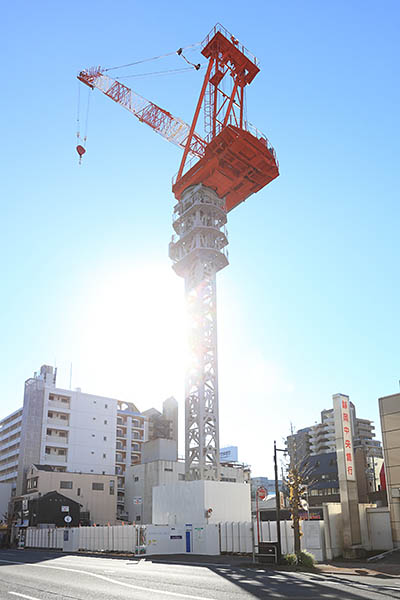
309 304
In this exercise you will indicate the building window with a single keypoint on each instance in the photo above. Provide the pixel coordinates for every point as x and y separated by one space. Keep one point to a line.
94 418
92 452
50 415
112 487
136 479
105 438
61 452
181 477
98 486
105 421
93 435
106 406
64 417
47 450
104 455
62 433
66 485
78 492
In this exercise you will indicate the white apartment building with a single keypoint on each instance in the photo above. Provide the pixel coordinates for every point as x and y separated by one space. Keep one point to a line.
322 435
70 431
10 435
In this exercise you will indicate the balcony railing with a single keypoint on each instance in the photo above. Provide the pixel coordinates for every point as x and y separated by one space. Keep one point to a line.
55 458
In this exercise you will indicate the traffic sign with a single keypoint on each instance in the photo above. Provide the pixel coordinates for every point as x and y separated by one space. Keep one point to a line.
262 493
68 519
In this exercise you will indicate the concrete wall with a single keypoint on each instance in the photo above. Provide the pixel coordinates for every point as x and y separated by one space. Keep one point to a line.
147 476
379 528
187 501
5 496
374 523
159 449
389 408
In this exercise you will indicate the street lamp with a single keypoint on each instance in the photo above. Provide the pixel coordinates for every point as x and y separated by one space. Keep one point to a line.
277 498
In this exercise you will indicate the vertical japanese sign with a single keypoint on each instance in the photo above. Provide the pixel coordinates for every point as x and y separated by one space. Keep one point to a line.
347 440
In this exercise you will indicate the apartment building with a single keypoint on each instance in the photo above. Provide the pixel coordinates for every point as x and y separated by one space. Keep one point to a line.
315 447
10 437
70 431
320 438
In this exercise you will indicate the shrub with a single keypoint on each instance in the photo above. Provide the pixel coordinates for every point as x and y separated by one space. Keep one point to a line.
306 559
290 559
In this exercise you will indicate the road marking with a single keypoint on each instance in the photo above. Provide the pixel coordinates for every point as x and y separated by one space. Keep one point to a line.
23 596
104 578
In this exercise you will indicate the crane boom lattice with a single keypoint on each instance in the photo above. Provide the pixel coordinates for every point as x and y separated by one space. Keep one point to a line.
171 128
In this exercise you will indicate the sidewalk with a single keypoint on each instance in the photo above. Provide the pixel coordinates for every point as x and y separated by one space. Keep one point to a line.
378 569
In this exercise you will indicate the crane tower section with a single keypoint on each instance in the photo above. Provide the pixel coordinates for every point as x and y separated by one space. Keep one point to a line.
198 251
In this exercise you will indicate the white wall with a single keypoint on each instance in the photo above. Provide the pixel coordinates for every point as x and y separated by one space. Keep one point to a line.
157 539
312 540
90 421
187 501
149 475
380 530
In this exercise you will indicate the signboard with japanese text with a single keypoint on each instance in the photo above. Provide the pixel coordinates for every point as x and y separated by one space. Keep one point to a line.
228 454
347 439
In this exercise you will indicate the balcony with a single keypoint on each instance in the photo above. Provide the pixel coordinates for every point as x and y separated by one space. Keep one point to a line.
14 452
12 463
10 443
8 476
57 405
55 459
57 421
57 440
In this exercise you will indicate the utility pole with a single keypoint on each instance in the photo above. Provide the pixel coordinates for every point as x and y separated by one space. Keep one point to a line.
278 500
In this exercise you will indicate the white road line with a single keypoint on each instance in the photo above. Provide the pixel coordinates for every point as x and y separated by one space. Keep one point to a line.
122 583
23 596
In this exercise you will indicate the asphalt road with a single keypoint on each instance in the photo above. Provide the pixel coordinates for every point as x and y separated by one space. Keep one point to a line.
41 575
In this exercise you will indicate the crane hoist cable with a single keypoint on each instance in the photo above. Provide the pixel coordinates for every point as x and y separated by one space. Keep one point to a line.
80 148
168 72
143 60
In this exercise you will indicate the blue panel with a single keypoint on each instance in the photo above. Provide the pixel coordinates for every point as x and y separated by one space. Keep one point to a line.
188 541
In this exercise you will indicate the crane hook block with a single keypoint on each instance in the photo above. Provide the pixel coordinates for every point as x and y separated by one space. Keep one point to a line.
80 150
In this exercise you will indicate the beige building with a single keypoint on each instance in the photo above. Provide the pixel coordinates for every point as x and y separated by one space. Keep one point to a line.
389 408
97 494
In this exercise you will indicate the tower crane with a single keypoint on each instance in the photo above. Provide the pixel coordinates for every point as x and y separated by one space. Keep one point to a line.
217 172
